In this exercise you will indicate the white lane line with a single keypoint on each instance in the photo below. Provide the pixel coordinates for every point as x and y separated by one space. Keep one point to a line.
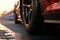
10 32
2 27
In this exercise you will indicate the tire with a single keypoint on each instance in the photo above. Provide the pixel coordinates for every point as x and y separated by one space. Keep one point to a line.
15 18
16 21
35 24
17 13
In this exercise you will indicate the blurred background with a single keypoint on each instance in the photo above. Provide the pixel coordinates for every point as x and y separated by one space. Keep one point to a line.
7 8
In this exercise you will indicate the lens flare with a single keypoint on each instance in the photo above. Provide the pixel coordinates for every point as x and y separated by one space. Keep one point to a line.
7 5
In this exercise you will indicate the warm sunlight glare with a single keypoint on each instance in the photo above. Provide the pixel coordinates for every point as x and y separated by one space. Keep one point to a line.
7 5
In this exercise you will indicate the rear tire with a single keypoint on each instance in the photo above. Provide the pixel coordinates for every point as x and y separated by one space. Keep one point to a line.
36 23
15 18
17 13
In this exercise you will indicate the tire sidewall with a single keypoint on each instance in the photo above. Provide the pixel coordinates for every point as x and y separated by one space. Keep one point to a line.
34 7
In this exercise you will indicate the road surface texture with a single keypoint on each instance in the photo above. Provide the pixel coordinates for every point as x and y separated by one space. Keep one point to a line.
11 31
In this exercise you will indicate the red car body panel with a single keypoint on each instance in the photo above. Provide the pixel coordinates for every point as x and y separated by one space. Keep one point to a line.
48 2
52 7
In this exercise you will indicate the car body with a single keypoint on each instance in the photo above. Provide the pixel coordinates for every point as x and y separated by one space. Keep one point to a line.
53 11
35 13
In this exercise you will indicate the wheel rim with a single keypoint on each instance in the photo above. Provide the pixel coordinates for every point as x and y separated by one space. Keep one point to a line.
27 10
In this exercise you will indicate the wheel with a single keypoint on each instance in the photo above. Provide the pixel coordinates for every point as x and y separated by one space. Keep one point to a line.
15 18
17 13
32 18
